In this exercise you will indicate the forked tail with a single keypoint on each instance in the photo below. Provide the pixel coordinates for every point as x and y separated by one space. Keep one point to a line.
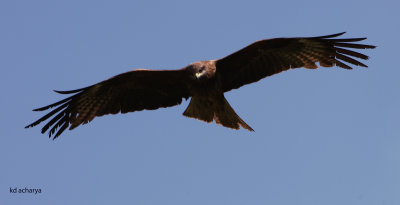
216 108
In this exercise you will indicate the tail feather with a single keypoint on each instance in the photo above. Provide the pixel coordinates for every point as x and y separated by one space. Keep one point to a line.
217 108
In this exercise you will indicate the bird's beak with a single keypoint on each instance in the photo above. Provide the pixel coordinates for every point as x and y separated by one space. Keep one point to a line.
198 75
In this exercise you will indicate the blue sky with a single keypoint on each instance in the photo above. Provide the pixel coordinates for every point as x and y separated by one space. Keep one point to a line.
326 136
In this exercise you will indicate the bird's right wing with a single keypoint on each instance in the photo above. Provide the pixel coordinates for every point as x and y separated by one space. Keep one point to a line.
131 91
267 57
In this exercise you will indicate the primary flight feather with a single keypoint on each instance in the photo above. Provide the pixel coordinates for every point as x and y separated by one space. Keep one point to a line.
204 81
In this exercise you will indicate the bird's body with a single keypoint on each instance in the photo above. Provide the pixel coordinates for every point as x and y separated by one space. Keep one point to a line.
208 102
204 81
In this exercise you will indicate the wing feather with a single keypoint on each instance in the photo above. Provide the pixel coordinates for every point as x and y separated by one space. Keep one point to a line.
128 92
267 57
342 65
349 60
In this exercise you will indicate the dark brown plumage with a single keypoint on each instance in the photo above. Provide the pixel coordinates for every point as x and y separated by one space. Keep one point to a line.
204 81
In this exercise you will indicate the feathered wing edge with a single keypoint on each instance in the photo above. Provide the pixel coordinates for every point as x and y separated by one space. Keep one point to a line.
62 118
343 54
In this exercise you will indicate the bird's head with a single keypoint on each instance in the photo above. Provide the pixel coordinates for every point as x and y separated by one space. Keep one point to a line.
201 69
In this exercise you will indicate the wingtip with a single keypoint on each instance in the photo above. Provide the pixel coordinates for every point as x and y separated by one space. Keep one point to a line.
33 124
71 91
61 92
331 36
339 34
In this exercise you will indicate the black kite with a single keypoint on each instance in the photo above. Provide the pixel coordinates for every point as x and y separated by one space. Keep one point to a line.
204 81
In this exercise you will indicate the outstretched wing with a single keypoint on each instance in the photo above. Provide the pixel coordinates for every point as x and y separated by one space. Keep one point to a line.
131 91
267 57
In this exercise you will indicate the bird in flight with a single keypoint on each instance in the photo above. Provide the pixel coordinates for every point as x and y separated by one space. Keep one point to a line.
205 82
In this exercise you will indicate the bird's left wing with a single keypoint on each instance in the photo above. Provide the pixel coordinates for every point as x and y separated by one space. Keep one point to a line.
267 57
131 91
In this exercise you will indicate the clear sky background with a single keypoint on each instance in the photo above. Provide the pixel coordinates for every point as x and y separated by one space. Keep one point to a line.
327 136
